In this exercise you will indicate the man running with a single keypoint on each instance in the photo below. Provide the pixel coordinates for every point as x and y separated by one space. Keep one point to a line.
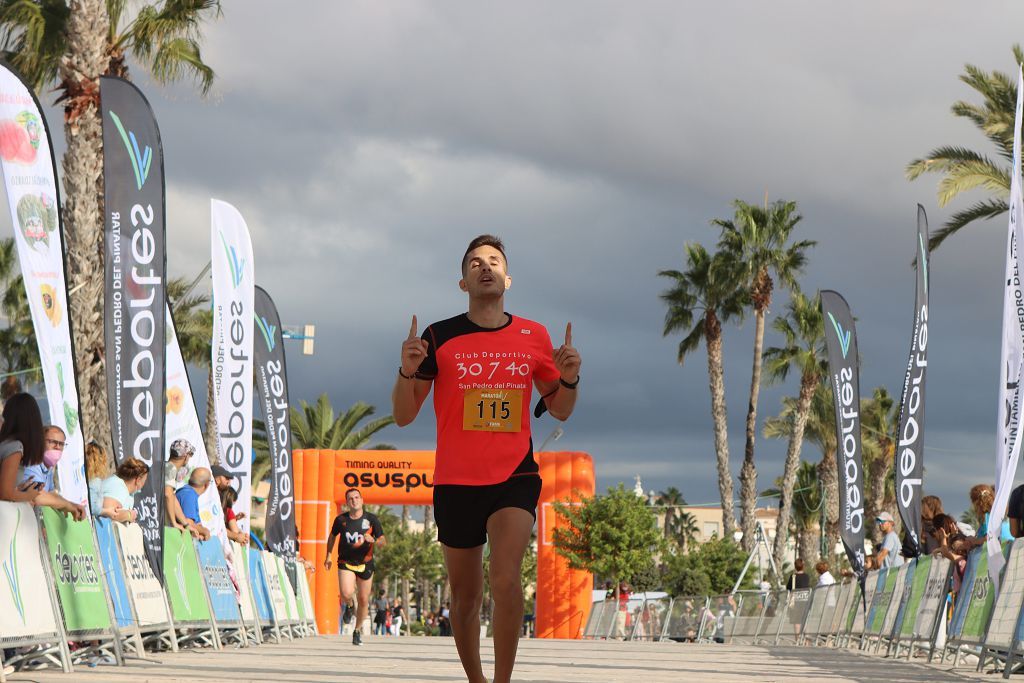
361 532
483 366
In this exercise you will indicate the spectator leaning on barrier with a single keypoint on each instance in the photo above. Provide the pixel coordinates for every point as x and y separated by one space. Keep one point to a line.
1015 512
930 506
175 474
97 468
227 501
888 554
982 497
21 446
188 498
222 478
53 445
118 492
951 544
825 577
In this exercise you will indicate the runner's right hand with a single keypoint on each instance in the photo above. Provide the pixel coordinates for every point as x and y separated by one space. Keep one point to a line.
414 351
327 564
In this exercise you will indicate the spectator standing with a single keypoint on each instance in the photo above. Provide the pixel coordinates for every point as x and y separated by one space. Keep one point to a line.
21 446
982 497
798 580
380 605
888 555
397 617
97 468
118 491
175 474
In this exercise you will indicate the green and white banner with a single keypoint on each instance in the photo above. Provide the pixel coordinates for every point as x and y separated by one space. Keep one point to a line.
26 607
77 571
185 589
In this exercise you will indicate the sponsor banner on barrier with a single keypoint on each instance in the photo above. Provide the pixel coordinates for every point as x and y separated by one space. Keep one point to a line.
272 382
218 581
910 434
182 422
918 579
933 601
1008 600
260 586
274 583
976 599
880 603
147 593
182 579
135 265
111 558
24 595
30 178
77 572
896 601
305 598
241 565
232 348
290 602
1011 353
844 368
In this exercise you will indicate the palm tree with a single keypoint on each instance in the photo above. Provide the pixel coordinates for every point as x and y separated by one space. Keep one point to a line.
878 417
18 348
803 329
700 299
758 239
964 170
671 499
686 529
820 430
67 47
316 427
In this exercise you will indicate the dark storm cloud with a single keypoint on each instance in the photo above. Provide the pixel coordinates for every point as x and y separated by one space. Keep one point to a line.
365 144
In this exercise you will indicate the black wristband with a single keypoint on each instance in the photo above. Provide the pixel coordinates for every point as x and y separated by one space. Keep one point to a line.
567 385
405 376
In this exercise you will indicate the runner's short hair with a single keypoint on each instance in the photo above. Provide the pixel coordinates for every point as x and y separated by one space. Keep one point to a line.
351 490
483 241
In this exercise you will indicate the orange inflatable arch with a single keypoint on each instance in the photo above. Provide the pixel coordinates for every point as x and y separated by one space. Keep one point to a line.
406 478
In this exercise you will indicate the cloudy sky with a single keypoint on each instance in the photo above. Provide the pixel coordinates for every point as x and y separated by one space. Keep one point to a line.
366 143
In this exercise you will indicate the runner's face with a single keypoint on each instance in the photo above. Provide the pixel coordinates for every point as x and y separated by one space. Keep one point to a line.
485 275
354 501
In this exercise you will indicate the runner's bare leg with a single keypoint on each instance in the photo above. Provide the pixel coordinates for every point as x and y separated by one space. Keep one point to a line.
364 588
346 587
466 576
508 532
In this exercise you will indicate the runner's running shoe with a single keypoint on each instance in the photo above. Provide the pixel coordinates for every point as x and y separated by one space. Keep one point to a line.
357 638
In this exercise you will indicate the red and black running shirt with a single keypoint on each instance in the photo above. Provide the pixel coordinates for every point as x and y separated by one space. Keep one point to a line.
483 385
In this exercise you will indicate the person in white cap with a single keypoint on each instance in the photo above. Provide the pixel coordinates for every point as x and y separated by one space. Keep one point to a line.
888 554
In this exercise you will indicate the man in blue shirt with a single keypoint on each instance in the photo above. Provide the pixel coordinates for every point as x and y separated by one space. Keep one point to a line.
889 553
188 495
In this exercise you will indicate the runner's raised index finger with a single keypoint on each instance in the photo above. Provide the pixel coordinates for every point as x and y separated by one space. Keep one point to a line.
568 334
412 329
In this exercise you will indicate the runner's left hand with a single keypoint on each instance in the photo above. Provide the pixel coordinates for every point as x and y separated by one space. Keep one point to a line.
567 359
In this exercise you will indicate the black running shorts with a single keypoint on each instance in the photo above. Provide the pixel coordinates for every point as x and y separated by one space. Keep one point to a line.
461 512
362 571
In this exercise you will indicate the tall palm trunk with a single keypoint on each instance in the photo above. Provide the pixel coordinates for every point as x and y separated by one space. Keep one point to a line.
807 544
808 383
713 339
211 421
80 69
874 502
748 472
830 484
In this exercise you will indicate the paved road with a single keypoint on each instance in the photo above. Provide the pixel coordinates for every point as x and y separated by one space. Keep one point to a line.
407 660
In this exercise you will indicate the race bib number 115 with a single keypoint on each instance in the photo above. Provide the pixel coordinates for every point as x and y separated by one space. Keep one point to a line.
492 410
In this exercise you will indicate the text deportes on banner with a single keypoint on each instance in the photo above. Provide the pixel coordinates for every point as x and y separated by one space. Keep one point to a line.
26 158
77 572
844 370
909 453
1007 444
272 384
182 422
232 348
135 270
